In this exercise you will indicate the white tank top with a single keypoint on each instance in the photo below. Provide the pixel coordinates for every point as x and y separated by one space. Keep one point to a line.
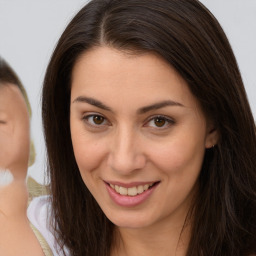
38 214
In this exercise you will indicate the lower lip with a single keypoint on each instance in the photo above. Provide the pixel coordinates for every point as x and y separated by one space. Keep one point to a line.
130 201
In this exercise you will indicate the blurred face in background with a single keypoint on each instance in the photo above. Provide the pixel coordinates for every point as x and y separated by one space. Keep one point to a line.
14 131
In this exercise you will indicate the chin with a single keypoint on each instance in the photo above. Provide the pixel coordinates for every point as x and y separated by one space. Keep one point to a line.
129 220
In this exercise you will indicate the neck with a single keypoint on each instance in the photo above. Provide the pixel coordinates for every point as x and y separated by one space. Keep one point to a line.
14 199
164 240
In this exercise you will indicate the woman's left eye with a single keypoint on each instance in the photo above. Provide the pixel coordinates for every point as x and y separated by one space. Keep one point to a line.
95 120
160 122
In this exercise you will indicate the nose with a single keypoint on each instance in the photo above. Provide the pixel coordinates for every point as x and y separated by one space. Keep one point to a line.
126 153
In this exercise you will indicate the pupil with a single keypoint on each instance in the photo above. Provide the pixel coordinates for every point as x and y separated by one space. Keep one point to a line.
98 119
159 122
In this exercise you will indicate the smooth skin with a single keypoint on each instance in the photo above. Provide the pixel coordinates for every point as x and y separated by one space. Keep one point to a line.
14 131
16 236
134 120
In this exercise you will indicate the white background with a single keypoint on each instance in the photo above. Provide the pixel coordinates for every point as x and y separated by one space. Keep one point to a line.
29 30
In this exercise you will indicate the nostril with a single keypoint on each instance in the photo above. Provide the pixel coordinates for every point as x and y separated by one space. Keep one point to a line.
129 162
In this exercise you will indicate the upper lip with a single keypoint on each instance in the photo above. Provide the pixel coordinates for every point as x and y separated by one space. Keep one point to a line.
130 184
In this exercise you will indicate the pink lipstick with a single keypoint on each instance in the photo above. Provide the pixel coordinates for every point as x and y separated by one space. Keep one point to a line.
130 195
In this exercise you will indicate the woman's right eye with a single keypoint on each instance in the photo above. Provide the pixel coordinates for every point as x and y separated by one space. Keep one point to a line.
95 120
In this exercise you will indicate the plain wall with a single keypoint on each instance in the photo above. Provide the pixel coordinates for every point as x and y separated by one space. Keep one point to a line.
29 30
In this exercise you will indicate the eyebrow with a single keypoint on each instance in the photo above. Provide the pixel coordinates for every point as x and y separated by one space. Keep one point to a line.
93 102
142 110
159 105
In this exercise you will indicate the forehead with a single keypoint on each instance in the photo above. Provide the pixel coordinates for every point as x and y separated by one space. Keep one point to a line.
10 97
118 76
107 61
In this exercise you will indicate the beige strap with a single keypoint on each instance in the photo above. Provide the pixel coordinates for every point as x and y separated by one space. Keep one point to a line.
36 189
44 245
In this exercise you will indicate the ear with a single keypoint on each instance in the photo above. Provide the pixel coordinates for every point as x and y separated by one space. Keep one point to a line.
212 136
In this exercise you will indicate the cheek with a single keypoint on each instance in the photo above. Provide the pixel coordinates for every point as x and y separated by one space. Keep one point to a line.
89 156
21 140
89 153
15 143
22 136
181 155
180 165
5 147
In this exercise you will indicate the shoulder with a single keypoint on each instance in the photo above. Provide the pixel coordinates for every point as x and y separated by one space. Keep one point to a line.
39 214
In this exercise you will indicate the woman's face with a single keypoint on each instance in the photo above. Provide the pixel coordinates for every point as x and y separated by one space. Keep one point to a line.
14 131
138 135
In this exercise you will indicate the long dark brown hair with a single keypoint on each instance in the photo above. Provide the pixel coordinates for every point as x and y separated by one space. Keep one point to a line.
186 34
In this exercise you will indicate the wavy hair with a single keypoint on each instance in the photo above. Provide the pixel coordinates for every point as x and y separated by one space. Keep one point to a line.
190 39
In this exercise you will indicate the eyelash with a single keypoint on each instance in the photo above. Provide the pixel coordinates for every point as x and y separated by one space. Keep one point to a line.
167 121
87 117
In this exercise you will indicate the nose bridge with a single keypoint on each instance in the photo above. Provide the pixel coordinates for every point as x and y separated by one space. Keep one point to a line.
126 152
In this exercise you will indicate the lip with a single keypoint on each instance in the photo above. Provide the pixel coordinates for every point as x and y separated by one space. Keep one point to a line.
130 201
131 184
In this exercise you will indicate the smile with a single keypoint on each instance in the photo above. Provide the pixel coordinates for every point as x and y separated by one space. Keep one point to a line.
130 195
133 191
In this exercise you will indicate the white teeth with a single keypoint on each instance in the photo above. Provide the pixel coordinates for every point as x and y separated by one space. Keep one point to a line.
133 191
123 191
140 189
146 187
117 188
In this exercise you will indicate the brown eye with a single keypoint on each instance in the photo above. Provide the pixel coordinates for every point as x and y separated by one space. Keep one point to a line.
159 122
98 119
95 120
